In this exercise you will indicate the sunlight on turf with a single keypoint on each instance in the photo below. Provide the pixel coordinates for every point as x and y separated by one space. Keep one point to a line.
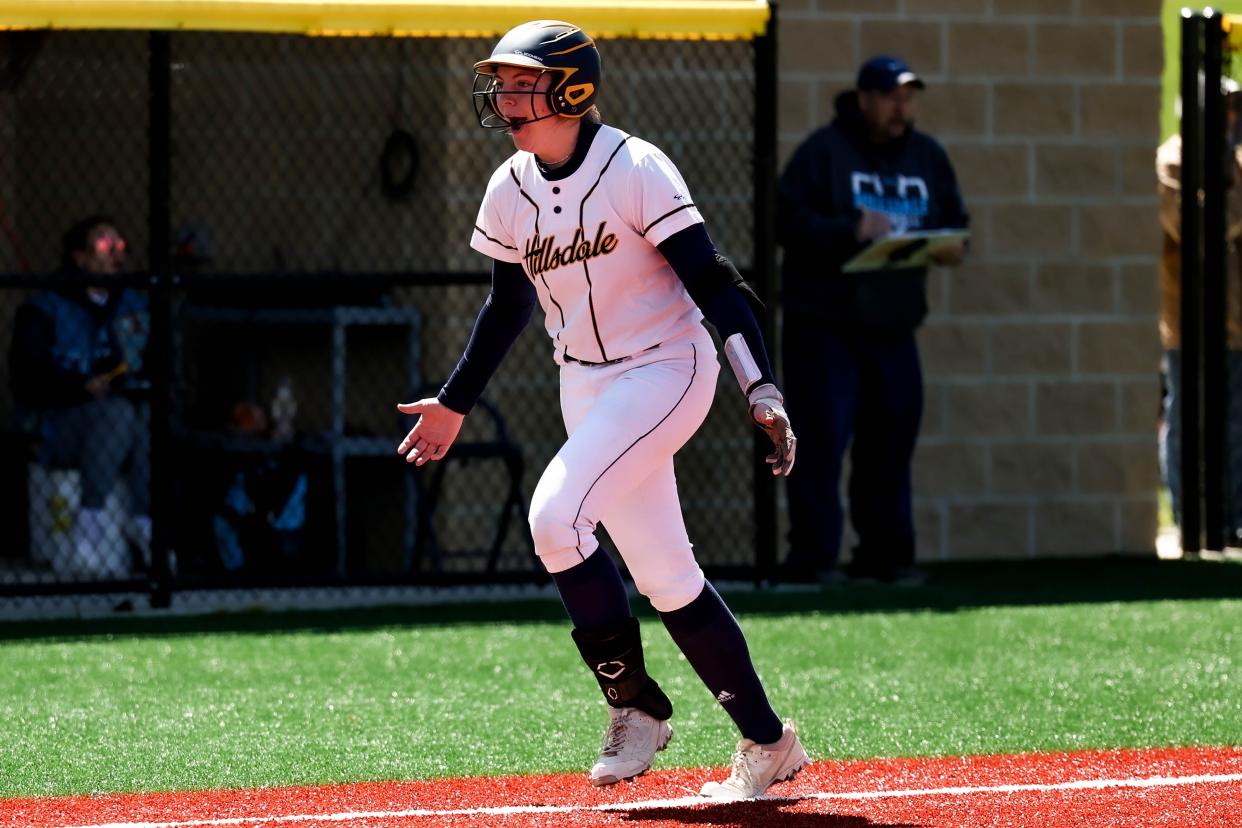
200 710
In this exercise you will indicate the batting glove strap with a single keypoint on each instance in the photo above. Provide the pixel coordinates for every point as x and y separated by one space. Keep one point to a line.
765 393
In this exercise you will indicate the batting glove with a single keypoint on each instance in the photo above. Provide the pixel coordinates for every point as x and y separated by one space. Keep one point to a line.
767 409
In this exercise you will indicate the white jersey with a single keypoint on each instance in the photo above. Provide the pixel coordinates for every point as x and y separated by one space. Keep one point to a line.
588 243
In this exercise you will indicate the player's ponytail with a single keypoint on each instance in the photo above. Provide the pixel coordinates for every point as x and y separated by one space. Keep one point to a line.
593 116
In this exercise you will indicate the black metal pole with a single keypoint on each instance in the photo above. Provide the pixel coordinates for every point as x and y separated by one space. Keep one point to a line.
764 170
1192 297
159 348
1218 173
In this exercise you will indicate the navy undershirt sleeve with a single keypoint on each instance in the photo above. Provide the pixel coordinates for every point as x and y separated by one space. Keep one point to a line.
692 254
501 320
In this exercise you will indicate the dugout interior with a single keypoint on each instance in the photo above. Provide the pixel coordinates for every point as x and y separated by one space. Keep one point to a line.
311 179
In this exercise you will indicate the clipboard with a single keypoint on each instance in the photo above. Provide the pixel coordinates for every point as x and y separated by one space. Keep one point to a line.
906 250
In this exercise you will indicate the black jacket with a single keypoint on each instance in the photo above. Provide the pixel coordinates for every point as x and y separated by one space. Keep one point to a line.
834 173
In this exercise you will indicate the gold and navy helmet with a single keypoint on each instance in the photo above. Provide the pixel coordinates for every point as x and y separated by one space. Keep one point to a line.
547 46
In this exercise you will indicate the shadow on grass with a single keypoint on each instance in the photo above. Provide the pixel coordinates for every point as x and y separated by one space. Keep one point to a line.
950 587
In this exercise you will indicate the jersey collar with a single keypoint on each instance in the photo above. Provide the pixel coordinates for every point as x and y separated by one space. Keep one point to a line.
586 134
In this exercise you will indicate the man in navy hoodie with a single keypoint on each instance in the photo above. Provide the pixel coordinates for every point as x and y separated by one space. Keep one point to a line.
850 357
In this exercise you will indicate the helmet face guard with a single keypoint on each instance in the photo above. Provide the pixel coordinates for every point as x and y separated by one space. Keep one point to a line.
487 95
549 47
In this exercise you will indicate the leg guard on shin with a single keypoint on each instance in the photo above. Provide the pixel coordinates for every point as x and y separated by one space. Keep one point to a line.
615 655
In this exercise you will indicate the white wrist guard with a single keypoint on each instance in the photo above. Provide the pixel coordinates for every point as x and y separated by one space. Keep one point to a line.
766 403
745 369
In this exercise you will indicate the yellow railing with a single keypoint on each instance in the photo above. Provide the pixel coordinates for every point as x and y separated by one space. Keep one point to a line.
688 19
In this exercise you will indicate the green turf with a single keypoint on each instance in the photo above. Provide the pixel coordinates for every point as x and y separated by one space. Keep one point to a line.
986 659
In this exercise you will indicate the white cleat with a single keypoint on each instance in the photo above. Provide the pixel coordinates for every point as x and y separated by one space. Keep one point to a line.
758 767
631 743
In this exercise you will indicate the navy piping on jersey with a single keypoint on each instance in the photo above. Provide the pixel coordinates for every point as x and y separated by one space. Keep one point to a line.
533 203
542 278
694 371
582 229
552 298
586 271
479 230
666 215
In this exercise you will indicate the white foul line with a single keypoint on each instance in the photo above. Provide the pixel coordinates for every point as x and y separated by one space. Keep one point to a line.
685 802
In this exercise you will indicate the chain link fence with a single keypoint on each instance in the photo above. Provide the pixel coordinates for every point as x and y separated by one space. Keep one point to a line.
322 195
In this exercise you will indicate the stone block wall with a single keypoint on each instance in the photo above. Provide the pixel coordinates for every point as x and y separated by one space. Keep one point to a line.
1041 354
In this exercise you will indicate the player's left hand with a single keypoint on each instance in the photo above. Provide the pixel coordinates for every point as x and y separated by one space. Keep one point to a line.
767 409
435 431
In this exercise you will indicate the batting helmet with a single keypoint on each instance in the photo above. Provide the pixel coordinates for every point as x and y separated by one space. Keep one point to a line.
548 46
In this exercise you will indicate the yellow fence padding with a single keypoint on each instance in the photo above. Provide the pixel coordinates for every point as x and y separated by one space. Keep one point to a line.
690 19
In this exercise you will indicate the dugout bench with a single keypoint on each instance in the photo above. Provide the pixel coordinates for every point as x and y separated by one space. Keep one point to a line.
329 453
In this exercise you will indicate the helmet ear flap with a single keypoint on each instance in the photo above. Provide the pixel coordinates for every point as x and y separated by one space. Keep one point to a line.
576 94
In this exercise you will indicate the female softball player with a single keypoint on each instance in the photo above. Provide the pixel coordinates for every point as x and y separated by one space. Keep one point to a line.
599 228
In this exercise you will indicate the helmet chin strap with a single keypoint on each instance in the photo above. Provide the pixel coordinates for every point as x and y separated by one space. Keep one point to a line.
526 121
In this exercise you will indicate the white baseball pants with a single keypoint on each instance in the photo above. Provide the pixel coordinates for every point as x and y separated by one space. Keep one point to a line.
625 422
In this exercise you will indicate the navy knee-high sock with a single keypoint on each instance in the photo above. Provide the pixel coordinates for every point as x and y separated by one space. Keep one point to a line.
712 642
593 593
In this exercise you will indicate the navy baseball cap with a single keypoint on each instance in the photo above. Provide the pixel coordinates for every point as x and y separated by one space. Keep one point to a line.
886 73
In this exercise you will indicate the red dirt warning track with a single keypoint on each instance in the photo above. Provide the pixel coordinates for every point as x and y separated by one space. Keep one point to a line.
1187 787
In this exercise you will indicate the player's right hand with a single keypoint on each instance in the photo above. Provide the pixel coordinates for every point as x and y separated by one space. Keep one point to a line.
431 436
